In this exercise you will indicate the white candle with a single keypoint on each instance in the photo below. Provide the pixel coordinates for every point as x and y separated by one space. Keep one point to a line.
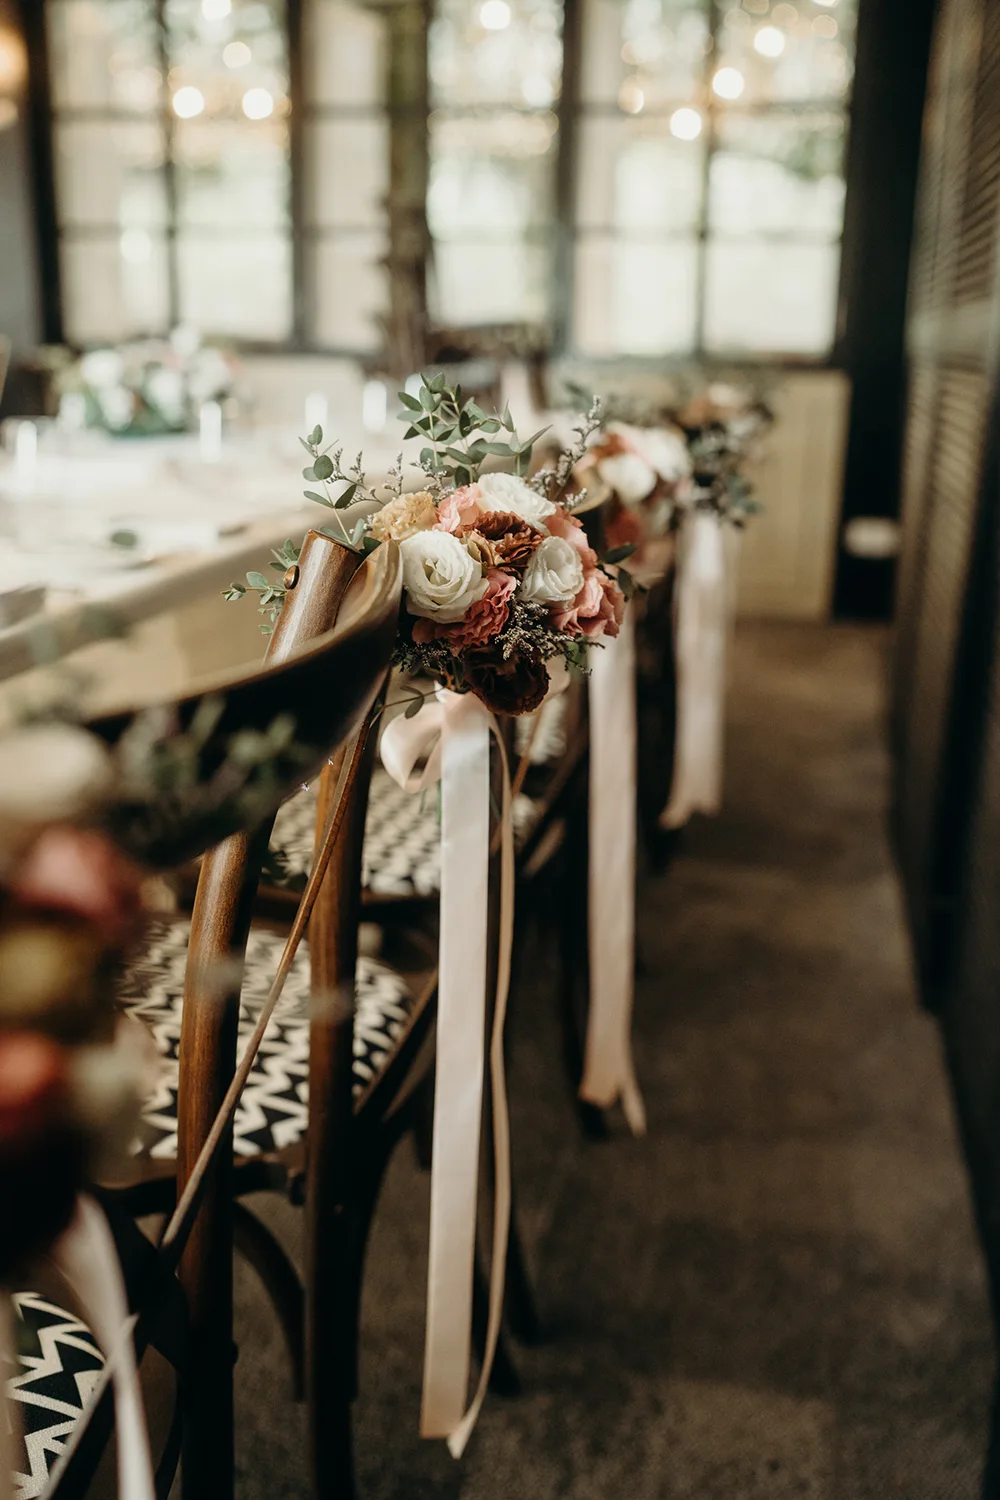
317 411
210 432
374 405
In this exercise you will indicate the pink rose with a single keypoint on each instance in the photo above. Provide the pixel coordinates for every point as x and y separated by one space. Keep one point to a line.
571 530
484 618
460 508
597 609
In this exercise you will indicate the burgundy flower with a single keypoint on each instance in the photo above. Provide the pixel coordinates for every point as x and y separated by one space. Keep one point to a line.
510 687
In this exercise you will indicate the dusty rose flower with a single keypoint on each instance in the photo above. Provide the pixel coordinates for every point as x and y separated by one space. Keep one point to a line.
571 530
460 508
597 609
511 687
512 539
484 619
81 873
404 517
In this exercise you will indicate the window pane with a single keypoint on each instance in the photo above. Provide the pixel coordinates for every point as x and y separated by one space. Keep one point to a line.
766 297
633 174
657 47
349 291
491 176
232 173
104 54
796 51
110 295
237 287
489 52
478 283
778 173
110 174
242 52
348 172
635 298
344 53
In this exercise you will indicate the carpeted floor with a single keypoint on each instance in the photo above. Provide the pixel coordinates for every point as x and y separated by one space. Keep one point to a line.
778 1292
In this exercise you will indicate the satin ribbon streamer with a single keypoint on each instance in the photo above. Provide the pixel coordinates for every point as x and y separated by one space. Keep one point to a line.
608 1071
86 1258
702 626
451 735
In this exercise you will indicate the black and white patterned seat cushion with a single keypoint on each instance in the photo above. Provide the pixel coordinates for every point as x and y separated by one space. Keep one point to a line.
273 1110
58 1362
402 853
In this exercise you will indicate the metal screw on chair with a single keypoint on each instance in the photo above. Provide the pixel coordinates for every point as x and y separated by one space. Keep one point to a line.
291 577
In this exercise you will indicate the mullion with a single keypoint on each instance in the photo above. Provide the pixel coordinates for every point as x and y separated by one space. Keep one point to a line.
169 170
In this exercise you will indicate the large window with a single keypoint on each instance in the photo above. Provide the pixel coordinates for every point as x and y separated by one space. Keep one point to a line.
495 80
212 169
709 183
170 143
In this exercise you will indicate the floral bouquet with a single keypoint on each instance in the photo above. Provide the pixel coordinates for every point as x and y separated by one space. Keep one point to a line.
499 578
722 427
146 389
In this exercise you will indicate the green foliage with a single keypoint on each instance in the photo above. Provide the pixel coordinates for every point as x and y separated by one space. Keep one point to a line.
459 435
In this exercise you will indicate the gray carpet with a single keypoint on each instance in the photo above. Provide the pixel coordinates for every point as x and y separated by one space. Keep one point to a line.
778 1292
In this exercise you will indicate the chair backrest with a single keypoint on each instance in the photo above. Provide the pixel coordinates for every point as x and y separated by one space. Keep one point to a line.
322 672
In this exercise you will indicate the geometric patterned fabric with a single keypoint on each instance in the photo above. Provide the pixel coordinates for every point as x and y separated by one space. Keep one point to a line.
273 1110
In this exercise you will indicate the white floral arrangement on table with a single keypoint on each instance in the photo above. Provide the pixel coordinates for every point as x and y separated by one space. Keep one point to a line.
499 578
665 462
149 388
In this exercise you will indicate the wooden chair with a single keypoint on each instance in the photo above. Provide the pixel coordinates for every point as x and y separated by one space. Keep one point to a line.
328 679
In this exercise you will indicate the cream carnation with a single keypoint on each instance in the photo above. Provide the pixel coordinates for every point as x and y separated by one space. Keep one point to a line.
440 577
506 492
554 575
404 517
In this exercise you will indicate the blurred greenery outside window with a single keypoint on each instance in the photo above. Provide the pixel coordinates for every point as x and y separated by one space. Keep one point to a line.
704 215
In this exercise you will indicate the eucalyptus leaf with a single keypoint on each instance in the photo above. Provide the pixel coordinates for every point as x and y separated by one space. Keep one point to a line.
322 468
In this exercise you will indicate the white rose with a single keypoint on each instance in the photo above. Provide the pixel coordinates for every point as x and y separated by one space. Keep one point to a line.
554 575
665 449
630 476
101 368
507 492
440 577
117 407
165 389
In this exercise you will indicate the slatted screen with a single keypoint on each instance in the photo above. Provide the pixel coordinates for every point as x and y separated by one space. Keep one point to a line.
950 396
946 710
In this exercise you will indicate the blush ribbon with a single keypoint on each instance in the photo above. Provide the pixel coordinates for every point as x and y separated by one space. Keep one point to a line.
608 1070
702 625
448 740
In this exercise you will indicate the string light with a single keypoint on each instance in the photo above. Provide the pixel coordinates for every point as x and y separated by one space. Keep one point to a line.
236 55
257 104
188 102
494 15
728 83
769 42
685 124
216 10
